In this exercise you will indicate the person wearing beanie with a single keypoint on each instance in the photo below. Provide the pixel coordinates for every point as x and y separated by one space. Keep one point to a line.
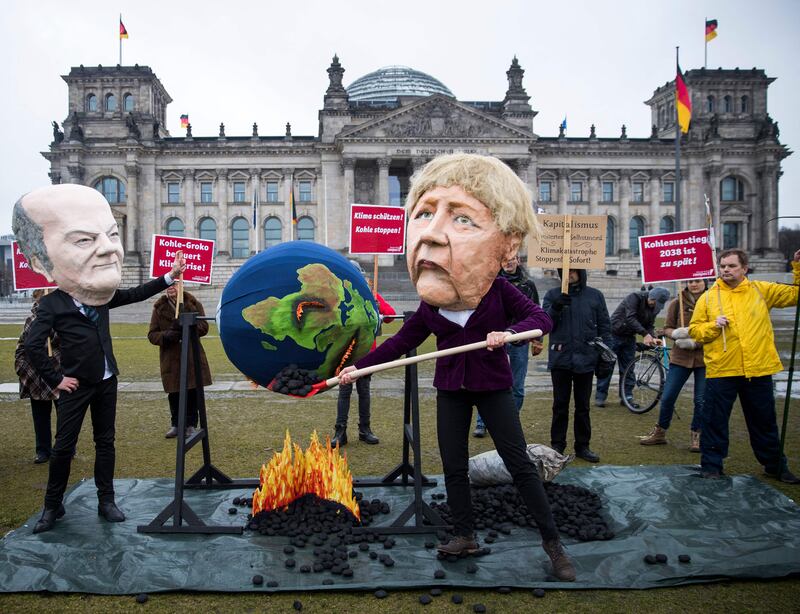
635 315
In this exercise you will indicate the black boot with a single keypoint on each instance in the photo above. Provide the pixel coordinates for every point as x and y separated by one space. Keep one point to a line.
366 435
48 519
339 436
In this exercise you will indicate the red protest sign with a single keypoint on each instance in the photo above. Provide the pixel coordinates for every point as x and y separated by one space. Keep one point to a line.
676 256
377 230
25 278
199 254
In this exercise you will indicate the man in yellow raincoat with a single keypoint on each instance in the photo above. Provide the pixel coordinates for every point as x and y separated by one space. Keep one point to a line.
732 321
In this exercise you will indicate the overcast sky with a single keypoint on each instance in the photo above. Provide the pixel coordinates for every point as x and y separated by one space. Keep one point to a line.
240 62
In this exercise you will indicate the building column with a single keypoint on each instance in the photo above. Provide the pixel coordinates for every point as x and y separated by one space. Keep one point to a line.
288 199
255 233
188 202
771 176
563 190
132 239
349 183
417 163
624 229
222 213
383 181
655 201
532 179
594 191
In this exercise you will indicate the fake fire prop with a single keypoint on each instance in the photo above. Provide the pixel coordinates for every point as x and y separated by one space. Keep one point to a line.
320 471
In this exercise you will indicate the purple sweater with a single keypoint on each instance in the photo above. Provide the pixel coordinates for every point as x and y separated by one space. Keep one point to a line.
479 370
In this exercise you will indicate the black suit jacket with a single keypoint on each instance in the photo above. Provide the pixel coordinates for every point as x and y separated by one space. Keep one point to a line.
84 346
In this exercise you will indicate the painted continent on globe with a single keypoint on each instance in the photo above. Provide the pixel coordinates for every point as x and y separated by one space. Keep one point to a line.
297 303
327 315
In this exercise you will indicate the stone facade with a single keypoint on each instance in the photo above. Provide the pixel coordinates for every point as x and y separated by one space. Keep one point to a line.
114 138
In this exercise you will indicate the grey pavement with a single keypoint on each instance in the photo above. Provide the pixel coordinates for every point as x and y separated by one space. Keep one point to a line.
537 380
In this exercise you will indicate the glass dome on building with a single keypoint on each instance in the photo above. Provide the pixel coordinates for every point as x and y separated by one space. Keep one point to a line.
388 83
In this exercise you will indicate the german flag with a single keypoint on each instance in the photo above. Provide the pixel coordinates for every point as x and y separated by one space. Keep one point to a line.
711 29
123 33
682 101
294 208
184 121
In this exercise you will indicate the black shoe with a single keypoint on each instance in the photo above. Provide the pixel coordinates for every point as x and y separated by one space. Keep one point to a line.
630 404
587 455
339 436
41 458
110 512
366 435
480 431
786 476
48 519
710 474
559 449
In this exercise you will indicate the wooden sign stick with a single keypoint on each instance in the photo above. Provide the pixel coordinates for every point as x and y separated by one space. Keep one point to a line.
565 262
179 298
375 274
680 305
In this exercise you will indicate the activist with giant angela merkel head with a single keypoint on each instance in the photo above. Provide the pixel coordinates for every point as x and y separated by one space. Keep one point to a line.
468 215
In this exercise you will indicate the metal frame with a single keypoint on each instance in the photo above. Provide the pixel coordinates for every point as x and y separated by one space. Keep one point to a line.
185 520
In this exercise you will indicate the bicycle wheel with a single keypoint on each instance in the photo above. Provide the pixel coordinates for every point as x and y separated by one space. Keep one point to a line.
647 375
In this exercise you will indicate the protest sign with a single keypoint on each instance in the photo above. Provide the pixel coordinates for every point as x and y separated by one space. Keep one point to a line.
577 241
376 229
25 278
199 254
676 256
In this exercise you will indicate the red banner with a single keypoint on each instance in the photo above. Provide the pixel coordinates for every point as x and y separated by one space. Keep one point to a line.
676 256
377 230
25 278
199 254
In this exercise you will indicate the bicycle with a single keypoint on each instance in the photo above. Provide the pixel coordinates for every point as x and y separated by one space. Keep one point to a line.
648 372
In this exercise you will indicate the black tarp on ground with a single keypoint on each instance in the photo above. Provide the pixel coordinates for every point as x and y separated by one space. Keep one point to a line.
733 528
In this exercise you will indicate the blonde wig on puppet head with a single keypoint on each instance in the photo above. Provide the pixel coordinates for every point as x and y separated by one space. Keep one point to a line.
489 180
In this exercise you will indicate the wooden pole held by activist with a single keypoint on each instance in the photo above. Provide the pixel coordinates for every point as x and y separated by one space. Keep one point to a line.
565 262
375 274
179 281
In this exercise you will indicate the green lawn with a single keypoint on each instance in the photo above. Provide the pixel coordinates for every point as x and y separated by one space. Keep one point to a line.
247 427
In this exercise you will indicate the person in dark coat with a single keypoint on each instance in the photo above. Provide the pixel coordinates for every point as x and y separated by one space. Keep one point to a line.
635 315
69 234
580 316
33 387
517 275
165 332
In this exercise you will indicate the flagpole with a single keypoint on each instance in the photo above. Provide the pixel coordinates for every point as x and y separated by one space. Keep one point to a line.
120 41
705 46
677 152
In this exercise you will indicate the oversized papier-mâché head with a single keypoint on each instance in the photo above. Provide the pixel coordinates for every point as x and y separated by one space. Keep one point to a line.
68 234
467 216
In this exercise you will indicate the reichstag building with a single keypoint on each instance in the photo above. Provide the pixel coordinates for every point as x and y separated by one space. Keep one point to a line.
376 132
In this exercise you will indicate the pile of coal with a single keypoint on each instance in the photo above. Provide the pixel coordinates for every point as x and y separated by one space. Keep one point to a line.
321 533
576 511
294 380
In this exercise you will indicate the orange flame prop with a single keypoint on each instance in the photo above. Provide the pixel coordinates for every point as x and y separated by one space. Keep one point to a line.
320 470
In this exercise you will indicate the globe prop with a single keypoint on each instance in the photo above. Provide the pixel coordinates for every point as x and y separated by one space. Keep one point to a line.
296 307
